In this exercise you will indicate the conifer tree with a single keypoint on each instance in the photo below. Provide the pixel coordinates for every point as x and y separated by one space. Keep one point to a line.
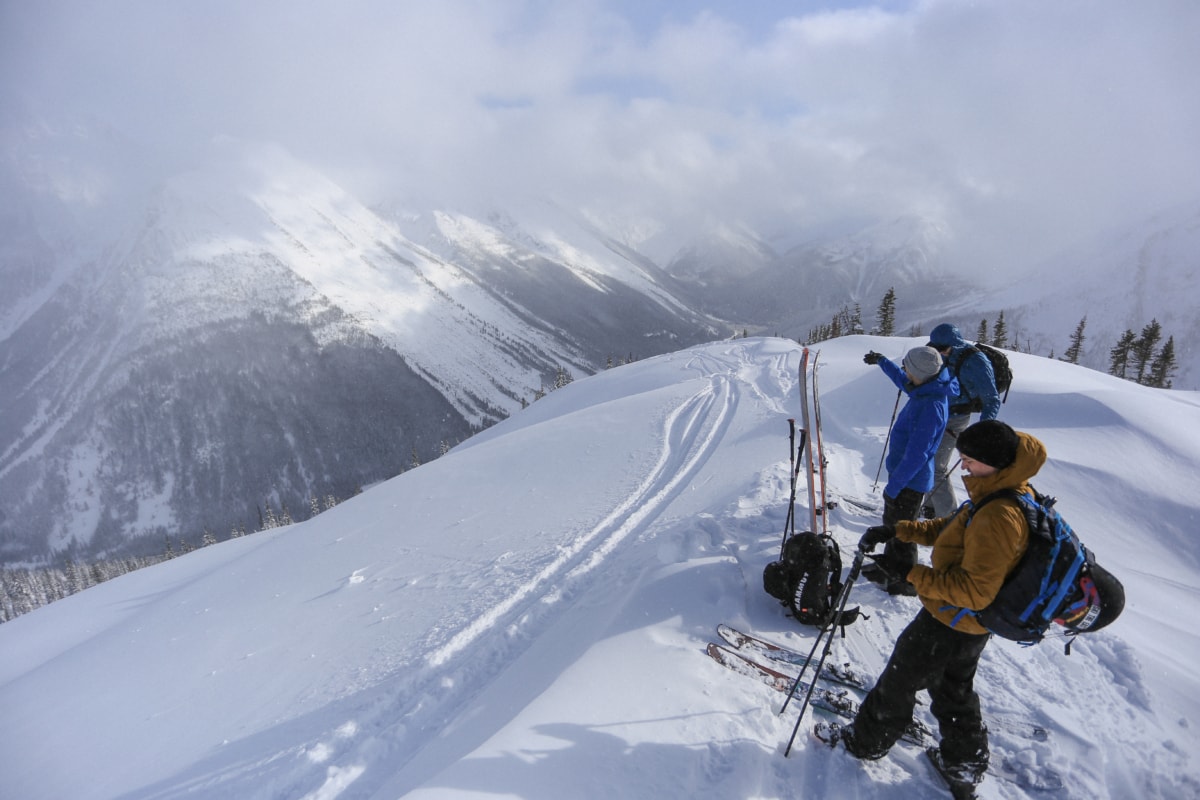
981 335
1142 351
1118 357
885 316
1000 332
1076 346
1163 367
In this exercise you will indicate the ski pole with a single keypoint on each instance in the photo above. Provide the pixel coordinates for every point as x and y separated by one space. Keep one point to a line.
789 524
887 439
804 668
945 477
855 568
791 513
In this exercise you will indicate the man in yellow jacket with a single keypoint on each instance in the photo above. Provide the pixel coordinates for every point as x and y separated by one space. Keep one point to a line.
968 566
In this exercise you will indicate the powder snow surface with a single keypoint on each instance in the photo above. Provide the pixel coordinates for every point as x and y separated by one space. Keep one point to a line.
525 617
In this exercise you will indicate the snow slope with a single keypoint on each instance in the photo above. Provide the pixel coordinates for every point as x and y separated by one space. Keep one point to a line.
525 616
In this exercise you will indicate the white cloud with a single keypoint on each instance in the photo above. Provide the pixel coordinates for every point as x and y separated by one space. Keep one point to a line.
1022 121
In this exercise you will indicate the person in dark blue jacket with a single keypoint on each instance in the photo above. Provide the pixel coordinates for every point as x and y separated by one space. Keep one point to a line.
914 441
977 393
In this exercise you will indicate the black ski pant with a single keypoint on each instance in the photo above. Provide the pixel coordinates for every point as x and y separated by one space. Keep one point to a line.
928 655
899 557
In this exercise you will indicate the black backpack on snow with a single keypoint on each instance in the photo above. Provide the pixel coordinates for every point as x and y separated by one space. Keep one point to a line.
808 579
1001 370
1056 580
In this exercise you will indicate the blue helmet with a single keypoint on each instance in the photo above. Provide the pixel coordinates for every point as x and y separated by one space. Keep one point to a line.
945 335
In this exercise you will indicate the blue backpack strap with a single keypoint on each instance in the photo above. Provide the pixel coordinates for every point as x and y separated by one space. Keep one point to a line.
962 612
972 508
1054 594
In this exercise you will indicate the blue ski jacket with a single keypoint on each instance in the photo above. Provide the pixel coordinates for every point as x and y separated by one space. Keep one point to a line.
918 429
976 380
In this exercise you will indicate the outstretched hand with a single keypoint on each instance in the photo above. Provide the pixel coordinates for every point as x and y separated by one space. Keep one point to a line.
872 358
875 536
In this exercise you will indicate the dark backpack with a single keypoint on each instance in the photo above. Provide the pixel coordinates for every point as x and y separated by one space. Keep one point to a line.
1001 370
1056 580
808 579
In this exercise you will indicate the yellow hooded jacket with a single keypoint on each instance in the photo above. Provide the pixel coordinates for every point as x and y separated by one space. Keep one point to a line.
970 562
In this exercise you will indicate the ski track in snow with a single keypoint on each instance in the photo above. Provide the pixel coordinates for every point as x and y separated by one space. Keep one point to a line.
690 437
447 686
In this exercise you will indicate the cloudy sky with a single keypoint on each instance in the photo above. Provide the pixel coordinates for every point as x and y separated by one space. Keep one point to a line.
1013 120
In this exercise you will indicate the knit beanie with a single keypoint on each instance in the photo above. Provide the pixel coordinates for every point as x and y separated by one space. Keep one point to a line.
991 442
923 363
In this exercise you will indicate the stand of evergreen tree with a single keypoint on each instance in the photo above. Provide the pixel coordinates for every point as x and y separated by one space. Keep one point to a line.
25 589
1135 358
846 322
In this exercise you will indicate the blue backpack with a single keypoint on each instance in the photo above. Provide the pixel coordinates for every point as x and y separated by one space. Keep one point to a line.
1056 580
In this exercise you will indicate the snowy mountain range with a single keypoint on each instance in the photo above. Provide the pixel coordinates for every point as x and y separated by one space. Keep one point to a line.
184 350
260 338
527 616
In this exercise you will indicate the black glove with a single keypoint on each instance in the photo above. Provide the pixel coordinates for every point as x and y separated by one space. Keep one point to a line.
876 535
872 358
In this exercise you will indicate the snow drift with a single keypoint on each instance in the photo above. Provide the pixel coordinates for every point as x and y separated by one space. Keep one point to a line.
525 616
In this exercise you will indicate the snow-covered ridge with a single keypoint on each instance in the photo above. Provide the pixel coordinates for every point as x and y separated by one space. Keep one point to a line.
526 615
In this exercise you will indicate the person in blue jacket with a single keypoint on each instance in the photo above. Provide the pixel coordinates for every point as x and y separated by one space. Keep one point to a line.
976 393
914 441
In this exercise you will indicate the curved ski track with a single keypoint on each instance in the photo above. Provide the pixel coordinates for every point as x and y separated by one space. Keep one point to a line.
691 433
430 700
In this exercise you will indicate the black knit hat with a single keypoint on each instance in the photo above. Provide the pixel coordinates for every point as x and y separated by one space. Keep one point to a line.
991 442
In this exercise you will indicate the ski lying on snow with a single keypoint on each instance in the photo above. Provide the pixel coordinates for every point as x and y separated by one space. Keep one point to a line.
839 702
862 505
836 702
847 675
754 646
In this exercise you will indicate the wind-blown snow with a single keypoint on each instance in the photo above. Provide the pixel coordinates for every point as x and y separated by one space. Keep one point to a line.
525 616
425 308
